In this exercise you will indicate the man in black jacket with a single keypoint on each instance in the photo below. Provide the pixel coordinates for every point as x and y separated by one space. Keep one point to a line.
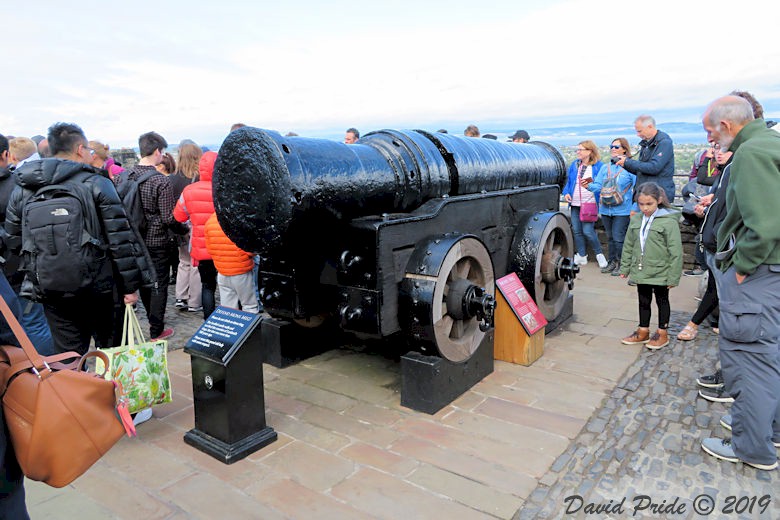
76 316
656 158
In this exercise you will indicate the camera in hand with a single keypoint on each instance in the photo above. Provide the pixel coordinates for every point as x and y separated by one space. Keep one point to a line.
614 160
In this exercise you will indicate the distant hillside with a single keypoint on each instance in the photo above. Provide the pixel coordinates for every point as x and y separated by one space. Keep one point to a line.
602 134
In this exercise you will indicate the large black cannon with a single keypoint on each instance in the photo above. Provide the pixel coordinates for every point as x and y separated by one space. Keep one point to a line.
399 236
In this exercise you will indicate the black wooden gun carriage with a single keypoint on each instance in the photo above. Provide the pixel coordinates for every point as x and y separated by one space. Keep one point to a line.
400 236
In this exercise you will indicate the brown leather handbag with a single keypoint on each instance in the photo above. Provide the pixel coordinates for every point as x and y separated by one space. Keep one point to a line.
61 420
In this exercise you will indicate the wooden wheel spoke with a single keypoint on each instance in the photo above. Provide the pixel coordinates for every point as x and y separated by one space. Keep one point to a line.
444 325
463 268
550 244
457 330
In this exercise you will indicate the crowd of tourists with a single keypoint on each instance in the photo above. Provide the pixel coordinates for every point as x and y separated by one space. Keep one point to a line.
738 242
138 225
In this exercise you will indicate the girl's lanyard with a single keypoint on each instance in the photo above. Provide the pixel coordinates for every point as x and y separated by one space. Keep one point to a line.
644 231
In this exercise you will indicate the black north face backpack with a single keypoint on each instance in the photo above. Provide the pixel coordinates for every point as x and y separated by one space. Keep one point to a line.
61 250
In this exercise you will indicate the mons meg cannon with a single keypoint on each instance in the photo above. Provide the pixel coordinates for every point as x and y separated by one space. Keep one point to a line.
400 236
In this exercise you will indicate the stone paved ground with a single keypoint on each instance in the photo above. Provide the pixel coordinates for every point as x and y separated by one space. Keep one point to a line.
645 440
591 417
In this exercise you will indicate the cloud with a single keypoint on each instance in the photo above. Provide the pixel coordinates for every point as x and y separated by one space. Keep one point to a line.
190 69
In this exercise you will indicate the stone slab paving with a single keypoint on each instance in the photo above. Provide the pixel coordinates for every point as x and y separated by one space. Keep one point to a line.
642 447
591 416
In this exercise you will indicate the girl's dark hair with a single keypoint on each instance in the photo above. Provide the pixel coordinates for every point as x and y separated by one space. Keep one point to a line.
169 163
651 189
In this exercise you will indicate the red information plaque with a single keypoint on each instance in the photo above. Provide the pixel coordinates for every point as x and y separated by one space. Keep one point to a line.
521 302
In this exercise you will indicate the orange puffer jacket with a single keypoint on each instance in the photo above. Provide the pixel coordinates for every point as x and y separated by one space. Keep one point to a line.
229 259
196 204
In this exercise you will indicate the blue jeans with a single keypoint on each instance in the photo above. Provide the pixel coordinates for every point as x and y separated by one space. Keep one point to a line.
584 230
616 227
35 325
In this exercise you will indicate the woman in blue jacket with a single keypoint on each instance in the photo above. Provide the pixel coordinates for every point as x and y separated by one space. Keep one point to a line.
582 173
615 217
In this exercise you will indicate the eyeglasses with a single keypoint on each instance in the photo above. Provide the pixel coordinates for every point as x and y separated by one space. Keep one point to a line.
615 146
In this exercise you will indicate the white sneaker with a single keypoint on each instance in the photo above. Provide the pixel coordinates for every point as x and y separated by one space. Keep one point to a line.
580 260
142 416
601 260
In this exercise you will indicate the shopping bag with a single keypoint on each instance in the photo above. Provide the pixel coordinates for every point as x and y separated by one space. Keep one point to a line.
140 366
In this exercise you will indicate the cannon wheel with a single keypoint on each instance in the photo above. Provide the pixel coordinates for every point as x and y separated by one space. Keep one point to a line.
436 278
540 251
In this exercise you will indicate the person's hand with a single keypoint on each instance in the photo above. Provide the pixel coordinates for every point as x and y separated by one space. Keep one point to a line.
567 197
632 213
586 182
741 278
621 160
622 276
706 200
698 209
131 298
671 286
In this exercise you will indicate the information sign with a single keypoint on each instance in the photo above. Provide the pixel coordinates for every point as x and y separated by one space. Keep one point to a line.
522 304
221 334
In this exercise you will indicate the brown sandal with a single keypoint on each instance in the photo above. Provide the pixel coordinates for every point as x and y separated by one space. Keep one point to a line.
688 333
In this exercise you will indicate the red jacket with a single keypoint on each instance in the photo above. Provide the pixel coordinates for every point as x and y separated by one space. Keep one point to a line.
196 204
229 259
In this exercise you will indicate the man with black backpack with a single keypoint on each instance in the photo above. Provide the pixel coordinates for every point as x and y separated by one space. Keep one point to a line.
153 219
68 224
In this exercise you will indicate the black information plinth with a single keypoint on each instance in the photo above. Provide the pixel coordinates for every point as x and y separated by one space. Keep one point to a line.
429 383
227 386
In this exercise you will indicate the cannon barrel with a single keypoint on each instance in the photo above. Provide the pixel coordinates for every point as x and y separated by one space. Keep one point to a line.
263 180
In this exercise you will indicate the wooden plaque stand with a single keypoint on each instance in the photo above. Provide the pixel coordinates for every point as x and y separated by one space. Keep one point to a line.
512 342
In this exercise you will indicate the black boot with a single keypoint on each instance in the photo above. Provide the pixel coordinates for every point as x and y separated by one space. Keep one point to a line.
609 267
616 270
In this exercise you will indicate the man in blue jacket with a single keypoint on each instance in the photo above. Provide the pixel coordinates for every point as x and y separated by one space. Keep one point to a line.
656 158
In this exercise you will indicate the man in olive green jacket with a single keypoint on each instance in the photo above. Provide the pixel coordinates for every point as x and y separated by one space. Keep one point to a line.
748 284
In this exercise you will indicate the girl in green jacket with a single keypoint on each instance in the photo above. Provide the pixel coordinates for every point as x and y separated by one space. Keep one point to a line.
652 257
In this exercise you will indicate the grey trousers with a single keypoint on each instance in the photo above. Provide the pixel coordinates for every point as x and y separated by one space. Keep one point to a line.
238 289
750 359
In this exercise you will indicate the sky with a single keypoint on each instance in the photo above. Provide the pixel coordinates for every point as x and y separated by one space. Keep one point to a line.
189 69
